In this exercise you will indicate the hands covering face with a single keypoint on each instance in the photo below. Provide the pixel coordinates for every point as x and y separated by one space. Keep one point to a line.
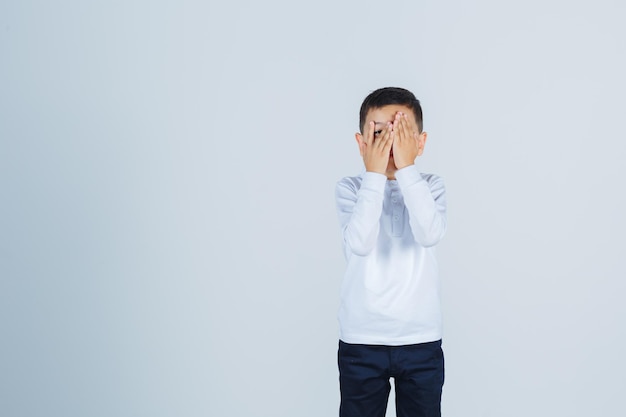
400 136
406 146
376 147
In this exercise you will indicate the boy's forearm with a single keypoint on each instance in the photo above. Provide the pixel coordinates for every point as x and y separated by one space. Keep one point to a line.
426 206
361 223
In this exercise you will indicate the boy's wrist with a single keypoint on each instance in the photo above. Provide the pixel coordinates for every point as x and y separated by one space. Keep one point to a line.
374 181
400 163
406 166
373 171
375 176
408 175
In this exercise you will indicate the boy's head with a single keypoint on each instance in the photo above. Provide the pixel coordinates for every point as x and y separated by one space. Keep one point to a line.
381 107
391 96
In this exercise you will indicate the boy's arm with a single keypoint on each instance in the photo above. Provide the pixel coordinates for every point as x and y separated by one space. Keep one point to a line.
359 212
426 204
425 200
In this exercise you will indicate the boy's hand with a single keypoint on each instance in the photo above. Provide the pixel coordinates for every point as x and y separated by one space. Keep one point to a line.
406 145
375 149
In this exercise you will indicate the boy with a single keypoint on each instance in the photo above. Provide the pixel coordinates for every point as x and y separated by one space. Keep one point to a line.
391 218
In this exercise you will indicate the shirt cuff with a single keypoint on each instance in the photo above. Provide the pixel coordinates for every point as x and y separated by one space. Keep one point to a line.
374 181
408 175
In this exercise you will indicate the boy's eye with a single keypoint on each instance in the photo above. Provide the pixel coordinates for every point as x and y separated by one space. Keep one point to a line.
377 132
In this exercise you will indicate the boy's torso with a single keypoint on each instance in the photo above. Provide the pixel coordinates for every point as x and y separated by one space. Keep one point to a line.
391 295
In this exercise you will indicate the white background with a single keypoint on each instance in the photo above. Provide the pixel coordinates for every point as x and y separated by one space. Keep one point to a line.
168 238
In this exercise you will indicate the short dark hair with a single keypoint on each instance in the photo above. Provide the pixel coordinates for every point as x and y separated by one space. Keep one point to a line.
391 95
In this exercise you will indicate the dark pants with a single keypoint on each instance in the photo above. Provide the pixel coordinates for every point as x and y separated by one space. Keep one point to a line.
365 370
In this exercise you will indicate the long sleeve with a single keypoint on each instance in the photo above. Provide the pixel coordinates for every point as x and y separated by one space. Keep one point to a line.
426 204
359 210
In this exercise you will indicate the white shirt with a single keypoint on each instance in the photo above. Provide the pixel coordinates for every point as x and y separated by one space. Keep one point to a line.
390 291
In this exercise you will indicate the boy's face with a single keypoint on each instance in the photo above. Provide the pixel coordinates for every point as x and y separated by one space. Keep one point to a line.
381 116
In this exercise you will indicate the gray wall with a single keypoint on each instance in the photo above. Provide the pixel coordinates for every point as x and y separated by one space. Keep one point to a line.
168 239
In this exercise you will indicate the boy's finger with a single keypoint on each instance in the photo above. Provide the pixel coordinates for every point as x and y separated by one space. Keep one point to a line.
407 128
388 132
392 135
369 133
397 127
410 127
382 136
388 145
